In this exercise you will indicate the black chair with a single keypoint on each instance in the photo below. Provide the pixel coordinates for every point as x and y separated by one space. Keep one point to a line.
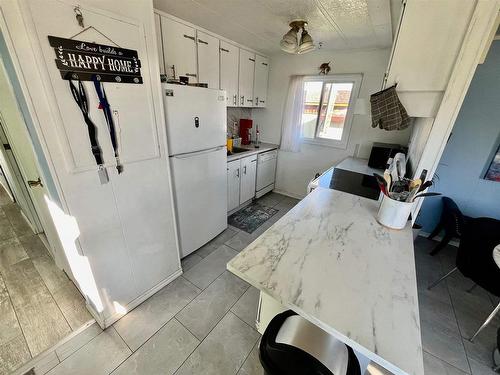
292 345
452 222
475 258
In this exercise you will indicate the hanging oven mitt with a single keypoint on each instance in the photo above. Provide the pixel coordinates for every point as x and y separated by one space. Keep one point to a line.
387 111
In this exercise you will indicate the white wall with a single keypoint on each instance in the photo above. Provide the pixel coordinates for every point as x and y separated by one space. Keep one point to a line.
296 169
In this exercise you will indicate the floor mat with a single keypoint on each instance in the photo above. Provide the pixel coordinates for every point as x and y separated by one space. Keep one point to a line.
251 217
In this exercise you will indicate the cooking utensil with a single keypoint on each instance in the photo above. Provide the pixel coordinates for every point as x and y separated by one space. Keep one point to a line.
431 194
400 161
381 183
425 185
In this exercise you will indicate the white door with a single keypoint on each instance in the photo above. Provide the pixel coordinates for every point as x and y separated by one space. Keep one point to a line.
32 200
247 71
195 118
260 81
233 184
159 43
179 49
200 196
229 60
208 60
247 180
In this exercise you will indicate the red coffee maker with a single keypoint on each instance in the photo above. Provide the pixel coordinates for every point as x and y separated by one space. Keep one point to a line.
245 126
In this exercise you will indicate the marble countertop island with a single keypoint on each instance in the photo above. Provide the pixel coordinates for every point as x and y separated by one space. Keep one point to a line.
331 262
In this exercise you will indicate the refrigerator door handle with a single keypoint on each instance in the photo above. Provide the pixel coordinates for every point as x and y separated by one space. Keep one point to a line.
192 154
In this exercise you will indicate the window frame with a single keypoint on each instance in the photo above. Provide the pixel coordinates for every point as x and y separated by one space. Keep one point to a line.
356 80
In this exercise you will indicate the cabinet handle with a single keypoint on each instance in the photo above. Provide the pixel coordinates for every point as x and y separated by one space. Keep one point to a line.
191 74
262 101
264 64
202 41
245 169
243 100
238 172
234 99
189 37
224 50
251 59
253 161
250 100
256 100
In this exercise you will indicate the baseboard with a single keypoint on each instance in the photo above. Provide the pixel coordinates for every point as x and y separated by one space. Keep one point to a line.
438 238
288 194
107 322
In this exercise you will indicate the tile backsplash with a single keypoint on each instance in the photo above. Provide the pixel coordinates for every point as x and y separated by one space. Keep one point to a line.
234 114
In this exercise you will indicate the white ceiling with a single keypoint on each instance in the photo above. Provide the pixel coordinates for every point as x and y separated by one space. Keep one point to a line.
260 24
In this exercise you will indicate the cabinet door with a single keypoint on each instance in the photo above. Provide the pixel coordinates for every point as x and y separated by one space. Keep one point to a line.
247 180
247 71
179 49
260 81
208 60
233 184
229 59
159 43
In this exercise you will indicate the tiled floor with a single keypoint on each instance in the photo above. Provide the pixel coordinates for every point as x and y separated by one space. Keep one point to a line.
203 322
39 305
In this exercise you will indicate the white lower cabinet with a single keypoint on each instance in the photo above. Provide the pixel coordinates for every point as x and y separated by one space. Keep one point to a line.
248 176
241 176
233 184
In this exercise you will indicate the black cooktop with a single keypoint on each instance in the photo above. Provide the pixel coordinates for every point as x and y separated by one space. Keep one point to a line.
351 182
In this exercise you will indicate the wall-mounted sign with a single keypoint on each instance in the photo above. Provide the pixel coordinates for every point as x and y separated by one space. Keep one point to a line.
81 60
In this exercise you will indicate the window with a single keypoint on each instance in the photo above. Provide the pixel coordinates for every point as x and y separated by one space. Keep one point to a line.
328 109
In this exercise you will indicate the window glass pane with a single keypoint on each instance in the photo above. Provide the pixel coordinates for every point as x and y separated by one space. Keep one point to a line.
333 111
312 92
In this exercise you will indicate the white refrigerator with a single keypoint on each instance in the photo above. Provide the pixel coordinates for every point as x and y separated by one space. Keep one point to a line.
196 136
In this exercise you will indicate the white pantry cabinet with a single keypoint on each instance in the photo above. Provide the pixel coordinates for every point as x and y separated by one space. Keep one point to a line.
229 66
233 184
179 49
248 175
208 59
260 81
246 76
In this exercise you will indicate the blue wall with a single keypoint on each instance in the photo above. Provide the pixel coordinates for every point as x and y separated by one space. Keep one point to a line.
474 140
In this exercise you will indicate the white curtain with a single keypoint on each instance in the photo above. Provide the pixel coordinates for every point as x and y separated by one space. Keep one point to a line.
292 115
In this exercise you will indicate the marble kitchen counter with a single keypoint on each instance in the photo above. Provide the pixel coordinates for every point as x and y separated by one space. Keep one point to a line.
252 150
331 262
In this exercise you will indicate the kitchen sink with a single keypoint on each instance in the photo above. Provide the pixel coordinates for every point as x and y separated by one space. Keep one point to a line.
236 150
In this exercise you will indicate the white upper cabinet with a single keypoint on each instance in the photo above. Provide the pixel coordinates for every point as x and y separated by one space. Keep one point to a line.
229 66
208 59
184 50
246 76
426 48
179 49
159 43
260 81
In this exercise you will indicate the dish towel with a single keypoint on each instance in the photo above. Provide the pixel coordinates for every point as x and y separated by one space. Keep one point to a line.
387 111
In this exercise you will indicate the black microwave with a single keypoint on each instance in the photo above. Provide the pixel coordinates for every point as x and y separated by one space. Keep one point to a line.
381 152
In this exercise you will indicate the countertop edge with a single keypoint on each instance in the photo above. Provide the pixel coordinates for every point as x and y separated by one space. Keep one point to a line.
346 340
263 148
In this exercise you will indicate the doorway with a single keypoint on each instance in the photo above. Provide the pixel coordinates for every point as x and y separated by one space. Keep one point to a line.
39 304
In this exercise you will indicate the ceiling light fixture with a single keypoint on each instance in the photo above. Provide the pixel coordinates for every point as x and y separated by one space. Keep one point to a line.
290 42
